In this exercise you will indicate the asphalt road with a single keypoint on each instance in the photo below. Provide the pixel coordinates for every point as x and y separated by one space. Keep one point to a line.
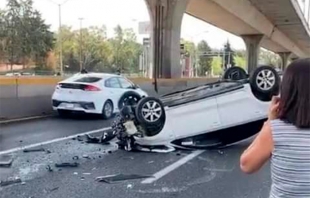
213 173
31 132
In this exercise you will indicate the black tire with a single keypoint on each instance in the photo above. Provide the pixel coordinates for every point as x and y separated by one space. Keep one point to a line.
265 83
155 107
107 110
128 98
64 113
235 73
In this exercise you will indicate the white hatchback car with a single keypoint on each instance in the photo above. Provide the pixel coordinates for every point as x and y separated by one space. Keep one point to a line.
95 93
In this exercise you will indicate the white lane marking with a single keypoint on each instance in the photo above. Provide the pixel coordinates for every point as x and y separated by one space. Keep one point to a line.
52 141
172 167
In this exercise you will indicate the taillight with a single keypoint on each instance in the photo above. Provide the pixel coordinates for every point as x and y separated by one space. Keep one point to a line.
91 88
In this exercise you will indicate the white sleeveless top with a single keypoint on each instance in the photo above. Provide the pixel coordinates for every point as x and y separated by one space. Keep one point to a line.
290 162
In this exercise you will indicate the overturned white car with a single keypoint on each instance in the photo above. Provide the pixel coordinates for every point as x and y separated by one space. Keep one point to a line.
212 115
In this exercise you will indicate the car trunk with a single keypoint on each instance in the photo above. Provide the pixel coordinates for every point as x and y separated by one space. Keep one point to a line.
76 91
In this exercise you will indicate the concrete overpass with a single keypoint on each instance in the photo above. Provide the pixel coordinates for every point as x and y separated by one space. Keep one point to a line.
282 26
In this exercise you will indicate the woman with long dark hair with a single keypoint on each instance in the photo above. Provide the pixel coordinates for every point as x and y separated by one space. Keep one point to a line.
285 136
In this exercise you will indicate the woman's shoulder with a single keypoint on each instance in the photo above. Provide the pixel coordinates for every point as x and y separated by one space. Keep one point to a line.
282 125
278 122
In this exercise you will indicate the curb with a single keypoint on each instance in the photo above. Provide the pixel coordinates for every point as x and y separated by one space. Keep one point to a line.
24 119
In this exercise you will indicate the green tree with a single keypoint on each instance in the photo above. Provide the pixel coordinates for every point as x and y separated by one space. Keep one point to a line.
126 50
269 58
190 48
229 56
12 31
3 36
217 66
25 34
240 61
204 61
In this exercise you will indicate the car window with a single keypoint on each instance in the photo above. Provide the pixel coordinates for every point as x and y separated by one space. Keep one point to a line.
125 83
112 83
88 79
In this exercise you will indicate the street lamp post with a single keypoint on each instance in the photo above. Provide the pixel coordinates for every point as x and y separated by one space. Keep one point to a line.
59 34
60 42
81 63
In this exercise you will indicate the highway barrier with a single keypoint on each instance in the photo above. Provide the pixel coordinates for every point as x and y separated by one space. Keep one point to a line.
22 97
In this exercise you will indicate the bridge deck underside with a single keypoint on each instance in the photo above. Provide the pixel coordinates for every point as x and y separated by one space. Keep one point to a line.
284 16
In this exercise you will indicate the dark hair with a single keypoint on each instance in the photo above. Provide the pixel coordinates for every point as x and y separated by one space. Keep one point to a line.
295 94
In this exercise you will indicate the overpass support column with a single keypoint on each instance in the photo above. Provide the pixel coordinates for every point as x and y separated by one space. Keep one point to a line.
166 20
284 59
252 43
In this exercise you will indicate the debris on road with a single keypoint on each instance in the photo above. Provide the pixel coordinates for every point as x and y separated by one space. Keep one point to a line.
5 161
120 177
10 181
36 150
49 168
75 158
91 139
53 189
105 138
86 173
86 156
60 165
79 138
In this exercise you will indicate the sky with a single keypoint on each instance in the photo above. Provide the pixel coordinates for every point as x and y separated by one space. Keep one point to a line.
128 14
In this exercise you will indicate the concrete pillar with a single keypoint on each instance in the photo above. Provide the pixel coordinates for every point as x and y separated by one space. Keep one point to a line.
166 19
284 59
252 43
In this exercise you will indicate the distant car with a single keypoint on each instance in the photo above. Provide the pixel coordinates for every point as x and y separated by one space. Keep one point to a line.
95 93
214 114
13 74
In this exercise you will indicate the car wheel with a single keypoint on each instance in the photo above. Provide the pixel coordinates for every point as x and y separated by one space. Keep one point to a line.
129 98
265 82
107 110
150 112
235 73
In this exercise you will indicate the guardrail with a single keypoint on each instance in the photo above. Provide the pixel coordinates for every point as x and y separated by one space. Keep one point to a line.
31 96
53 80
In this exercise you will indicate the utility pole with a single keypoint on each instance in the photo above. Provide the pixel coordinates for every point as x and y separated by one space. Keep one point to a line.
81 62
59 34
60 42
